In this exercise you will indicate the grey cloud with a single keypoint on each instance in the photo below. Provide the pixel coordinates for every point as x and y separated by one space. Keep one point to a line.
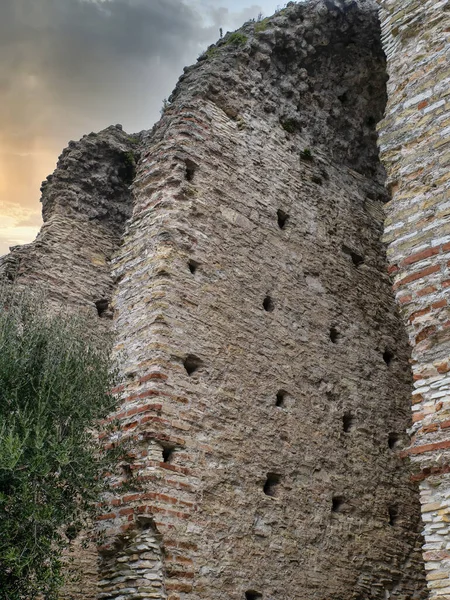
73 66
85 55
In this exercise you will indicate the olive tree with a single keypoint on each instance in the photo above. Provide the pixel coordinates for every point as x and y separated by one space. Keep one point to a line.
55 387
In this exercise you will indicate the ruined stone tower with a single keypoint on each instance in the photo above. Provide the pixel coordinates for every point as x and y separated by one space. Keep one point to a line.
266 377
266 368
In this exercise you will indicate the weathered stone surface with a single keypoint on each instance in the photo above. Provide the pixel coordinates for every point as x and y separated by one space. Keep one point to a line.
267 380
414 142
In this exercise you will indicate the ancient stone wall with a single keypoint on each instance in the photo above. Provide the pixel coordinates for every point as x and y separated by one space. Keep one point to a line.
415 147
266 370
85 204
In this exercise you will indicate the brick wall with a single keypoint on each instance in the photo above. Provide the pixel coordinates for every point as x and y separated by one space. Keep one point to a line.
415 147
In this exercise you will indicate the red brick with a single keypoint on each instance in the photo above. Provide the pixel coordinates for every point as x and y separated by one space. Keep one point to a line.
141 409
426 290
418 256
429 472
430 428
428 448
106 517
131 498
418 314
422 104
445 424
171 572
417 416
178 587
118 389
417 399
425 333
439 304
418 275
160 376
166 498
436 555
179 559
405 299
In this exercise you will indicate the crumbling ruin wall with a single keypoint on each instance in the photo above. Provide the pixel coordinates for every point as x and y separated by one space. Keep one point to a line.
414 142
267 379
85 204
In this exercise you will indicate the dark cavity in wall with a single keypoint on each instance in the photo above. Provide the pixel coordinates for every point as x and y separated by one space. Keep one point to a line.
102 308
337 503
282 218
192 363
281 397
191 167
393 440
252 595
357 259
127 472
168 454
271 487
193 266
268 304
334 335
388 356
347 421
393 515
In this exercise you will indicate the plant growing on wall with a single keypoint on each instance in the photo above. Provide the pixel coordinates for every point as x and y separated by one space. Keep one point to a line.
54 390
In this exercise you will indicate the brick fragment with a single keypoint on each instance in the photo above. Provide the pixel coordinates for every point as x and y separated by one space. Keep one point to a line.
418 275
418 256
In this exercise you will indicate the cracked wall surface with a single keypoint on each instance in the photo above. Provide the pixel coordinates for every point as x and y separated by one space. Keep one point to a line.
414 143
266 369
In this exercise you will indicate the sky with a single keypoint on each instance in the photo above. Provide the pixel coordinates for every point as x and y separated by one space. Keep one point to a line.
69 67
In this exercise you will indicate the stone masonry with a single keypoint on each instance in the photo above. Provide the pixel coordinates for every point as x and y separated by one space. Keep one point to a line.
266 377
415 147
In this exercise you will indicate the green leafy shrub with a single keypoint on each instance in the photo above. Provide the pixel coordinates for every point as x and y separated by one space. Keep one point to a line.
127 168
306 154
237 38
54 390
261 25
290 125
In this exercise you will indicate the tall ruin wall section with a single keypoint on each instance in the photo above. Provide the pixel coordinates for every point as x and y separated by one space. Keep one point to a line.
267 385
85 204
415 147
